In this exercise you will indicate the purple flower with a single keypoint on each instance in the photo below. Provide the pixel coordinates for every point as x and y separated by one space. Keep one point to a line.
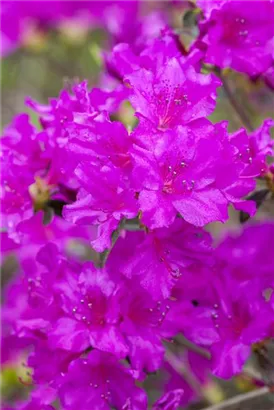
101 141
241 320
99 379
89 313
246 255
175 94
252 149
187 172
141 325
238 35
104 200
162 256
122 60
21 160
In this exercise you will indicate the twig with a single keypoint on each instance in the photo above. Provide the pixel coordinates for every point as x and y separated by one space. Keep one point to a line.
239 399
235 104
104 255
185 373
182 341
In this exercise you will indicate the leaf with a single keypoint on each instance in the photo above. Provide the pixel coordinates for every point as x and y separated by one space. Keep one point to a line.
258 197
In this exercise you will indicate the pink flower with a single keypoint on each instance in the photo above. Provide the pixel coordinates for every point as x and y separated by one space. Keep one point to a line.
104 200
187 173
238 35
161 257
99 379
89 313
175 94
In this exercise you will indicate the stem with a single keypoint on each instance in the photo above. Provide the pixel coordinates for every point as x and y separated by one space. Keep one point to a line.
239 399
186 373
235 104
182 341
104 255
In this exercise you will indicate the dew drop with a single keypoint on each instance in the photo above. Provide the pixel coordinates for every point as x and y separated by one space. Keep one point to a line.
84 318
174 173
183 164
90 305
82 301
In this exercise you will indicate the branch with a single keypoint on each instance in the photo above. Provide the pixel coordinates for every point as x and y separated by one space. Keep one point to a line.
104 255
239 399
235 104
185 373
182 341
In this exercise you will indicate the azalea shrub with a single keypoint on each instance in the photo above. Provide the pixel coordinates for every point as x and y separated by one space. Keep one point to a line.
108 203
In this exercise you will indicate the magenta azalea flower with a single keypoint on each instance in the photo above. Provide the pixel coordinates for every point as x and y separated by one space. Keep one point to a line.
104 201
99 378
238 35
187 171
89 313
175 94
162 256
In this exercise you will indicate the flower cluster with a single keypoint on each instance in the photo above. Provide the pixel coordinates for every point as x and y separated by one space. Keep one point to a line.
108 224
22 21
238 35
